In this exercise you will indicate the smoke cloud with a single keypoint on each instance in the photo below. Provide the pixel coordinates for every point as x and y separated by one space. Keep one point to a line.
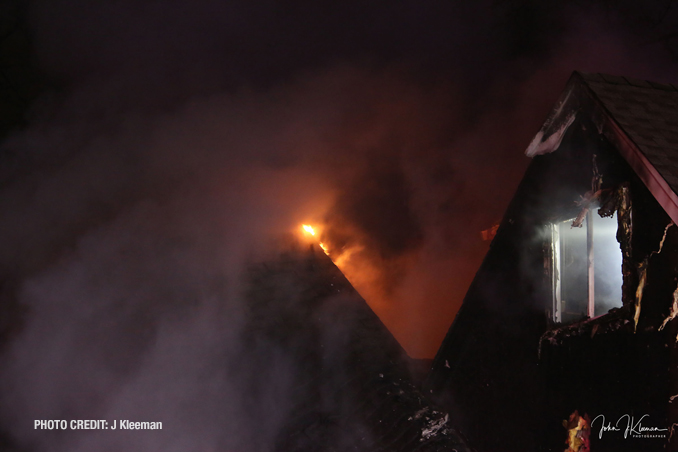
183 141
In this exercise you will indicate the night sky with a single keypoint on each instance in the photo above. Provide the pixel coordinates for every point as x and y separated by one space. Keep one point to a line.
151 148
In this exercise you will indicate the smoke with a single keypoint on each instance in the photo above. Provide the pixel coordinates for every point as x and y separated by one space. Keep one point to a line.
181 142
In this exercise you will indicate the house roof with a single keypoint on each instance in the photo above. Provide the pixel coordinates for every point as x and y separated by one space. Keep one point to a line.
351 388
640 117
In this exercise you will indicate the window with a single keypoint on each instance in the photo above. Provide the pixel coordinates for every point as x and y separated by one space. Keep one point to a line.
587 262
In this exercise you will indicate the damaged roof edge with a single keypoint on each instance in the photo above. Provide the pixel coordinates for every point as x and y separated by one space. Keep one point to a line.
541 145
551 133
550 136
654 182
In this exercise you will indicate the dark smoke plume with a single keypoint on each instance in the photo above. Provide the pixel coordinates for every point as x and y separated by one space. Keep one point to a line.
173 144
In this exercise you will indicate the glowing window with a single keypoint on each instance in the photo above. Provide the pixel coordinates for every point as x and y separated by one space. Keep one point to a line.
587 261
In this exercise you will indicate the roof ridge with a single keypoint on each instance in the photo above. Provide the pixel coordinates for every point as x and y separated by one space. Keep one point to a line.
600 77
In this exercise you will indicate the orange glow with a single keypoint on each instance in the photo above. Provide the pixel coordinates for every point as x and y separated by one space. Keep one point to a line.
578 430
324 248
308 228
488 234
407 284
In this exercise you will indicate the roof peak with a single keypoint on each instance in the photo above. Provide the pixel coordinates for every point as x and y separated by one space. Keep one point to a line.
639 117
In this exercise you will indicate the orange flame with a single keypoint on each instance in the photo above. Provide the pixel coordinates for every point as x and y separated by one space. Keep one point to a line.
578 431
308 228
311 230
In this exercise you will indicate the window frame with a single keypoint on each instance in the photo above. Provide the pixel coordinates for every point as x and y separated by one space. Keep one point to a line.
556 269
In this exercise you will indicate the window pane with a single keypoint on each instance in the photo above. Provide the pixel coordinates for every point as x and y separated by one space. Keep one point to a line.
573 272
607 262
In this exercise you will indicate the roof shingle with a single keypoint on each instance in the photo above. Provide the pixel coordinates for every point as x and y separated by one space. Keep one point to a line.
647 112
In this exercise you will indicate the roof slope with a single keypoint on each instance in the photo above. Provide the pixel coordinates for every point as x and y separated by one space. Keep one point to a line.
648 114
639 117
351 389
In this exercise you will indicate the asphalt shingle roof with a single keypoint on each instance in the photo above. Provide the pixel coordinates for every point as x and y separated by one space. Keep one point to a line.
648 113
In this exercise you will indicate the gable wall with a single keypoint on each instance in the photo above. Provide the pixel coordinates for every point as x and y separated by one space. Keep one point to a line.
496 381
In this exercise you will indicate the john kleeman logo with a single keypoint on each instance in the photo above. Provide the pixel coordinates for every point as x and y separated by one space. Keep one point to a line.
628 426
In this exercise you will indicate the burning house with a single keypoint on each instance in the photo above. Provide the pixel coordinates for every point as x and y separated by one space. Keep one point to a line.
567 337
